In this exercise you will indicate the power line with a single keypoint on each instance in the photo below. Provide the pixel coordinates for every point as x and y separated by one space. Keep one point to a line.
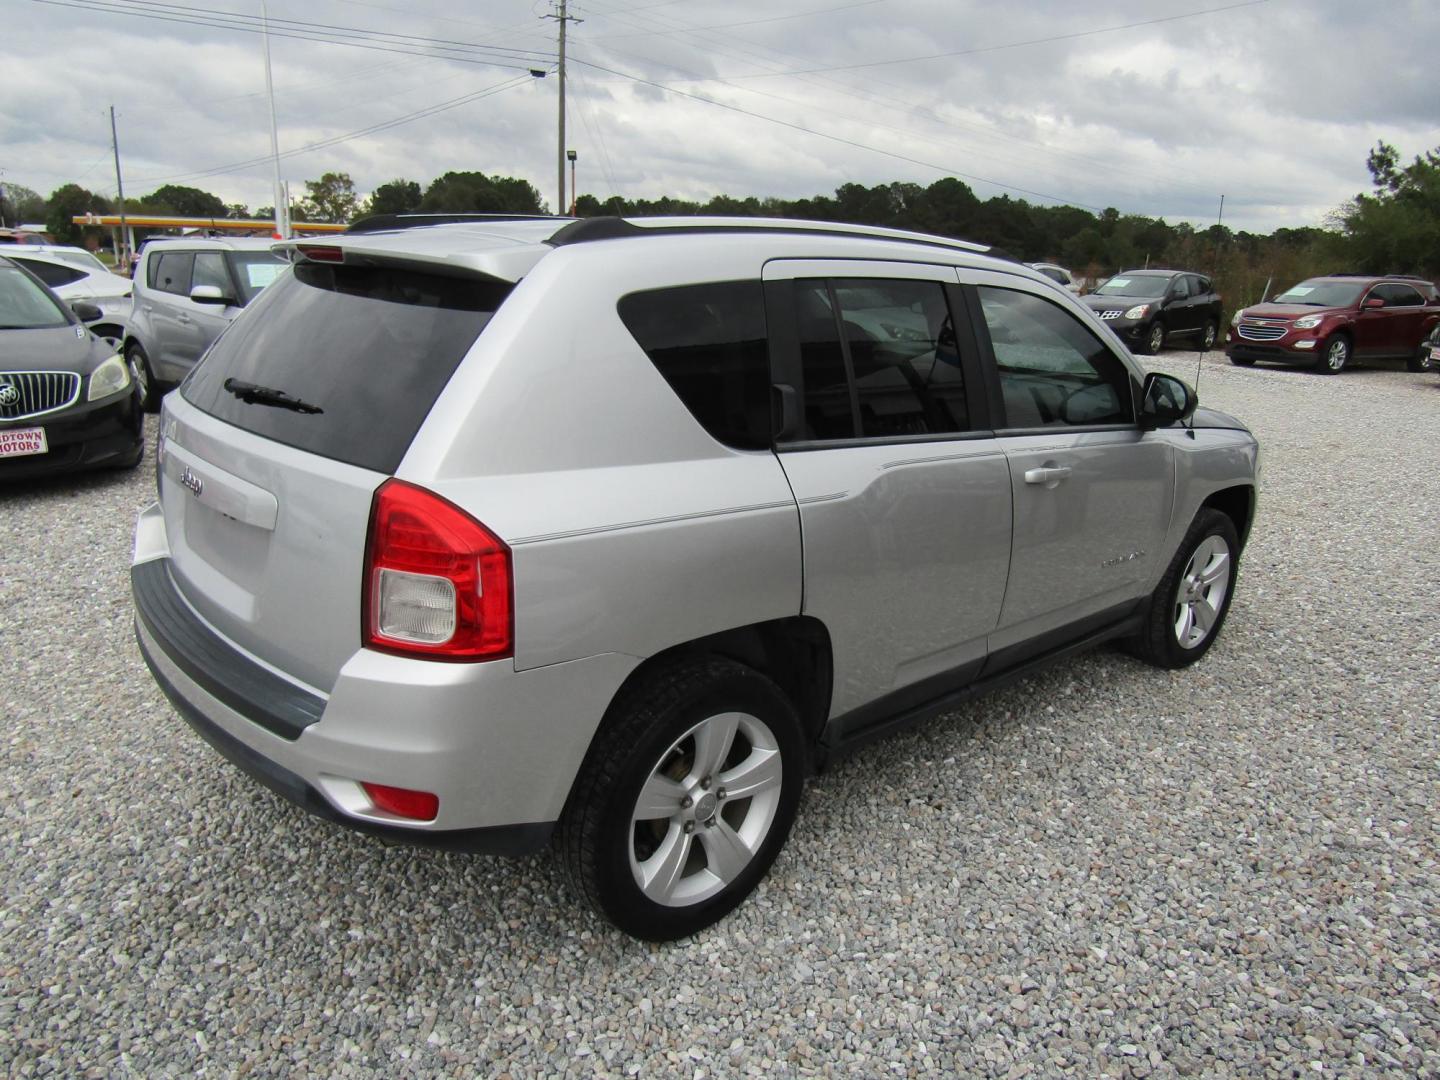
385 125
947 169
110 8
1008 45
746 22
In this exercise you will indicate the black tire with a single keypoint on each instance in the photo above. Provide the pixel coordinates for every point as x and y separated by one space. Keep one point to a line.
1420 361
1242 361
598 836
1158 642
1209 334
1334 355
147 387
1154 338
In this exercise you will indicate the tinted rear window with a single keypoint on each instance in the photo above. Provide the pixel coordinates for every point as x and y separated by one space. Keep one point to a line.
708 341
370 346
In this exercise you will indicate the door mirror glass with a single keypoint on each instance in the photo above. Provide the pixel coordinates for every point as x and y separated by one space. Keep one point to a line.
210 294
1165 400
86 312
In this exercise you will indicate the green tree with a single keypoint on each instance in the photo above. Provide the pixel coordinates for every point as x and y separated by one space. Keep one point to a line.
476 193
394 197
68 201
19 205
331 198
1396 228
184 201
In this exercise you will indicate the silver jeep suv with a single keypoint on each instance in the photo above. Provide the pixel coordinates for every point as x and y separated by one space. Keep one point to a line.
610 532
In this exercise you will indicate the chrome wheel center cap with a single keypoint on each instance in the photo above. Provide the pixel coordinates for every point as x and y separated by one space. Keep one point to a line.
705 808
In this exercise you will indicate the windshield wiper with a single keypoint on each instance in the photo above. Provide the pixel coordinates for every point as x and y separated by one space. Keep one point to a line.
252 394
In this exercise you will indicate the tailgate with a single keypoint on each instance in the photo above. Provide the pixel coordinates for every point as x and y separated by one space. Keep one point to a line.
267 542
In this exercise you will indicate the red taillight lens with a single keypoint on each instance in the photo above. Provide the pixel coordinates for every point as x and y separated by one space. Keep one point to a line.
402 802
326 253
437 582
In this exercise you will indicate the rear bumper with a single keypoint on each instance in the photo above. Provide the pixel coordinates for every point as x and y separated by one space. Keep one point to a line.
500 748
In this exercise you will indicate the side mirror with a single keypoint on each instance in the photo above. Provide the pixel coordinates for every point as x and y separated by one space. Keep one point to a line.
210 294
85 311
1374 302
1165 400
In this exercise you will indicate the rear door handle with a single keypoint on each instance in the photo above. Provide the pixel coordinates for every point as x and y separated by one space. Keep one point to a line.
1049 475
184 319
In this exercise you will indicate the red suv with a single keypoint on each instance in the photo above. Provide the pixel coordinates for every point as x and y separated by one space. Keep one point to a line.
1326 322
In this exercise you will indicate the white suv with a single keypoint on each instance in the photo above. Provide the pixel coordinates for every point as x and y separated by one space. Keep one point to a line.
479 534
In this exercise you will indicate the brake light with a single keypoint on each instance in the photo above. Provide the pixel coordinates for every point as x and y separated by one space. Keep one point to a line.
327 253
402 802
437 582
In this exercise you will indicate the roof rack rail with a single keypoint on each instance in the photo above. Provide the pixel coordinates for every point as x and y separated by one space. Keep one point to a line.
387 222
587 230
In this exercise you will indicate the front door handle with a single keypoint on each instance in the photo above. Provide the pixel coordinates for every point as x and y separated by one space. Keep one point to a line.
184 320
1049 475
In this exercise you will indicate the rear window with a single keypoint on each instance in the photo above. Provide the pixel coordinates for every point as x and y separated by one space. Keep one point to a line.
708 341
371 347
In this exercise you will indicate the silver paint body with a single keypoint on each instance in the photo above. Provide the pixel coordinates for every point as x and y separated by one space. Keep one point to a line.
634 531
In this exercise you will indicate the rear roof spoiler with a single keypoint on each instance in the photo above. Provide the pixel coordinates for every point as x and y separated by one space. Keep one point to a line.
390 222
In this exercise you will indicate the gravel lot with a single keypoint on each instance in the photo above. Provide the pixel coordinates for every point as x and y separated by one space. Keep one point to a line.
1104 870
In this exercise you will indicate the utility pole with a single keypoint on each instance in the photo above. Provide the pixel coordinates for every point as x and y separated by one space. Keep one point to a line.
562 18
124 245
282 208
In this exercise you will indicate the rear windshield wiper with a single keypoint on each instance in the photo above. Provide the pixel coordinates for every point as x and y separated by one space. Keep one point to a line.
252 394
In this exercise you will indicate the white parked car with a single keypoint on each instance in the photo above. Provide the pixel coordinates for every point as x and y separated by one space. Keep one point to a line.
1059 275
74 274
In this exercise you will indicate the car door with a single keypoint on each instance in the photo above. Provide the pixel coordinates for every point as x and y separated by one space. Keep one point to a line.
1093 494
208 320
166 307
1181 316
903 490
1405 309
1373 325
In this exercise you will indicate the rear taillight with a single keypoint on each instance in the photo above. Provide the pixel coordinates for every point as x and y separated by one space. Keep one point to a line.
437 582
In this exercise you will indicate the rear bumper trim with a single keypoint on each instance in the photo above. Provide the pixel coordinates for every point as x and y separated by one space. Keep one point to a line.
278 706
523 839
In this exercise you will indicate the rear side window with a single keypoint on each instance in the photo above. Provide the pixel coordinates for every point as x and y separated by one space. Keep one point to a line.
52 275
170 272
879 358
371 347
708 341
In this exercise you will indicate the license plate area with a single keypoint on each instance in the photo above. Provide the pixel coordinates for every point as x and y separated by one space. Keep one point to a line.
21 442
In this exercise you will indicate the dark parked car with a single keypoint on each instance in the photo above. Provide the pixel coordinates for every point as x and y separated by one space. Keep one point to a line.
1326 322
1147 308
66 398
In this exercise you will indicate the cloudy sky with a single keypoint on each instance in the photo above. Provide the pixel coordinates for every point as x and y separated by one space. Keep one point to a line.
1156 108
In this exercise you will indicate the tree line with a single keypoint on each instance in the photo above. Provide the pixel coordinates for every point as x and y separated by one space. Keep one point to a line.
1394 228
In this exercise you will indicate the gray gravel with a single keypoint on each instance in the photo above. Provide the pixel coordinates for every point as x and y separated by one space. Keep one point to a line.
1104 870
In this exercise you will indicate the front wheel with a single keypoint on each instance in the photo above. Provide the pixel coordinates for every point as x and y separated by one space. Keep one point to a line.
685 798
1154 338
1208 335
1334 356
1188 607
145 384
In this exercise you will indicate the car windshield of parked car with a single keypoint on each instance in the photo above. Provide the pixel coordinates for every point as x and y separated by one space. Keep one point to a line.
83 259
1145 287
254 270
24 305
1321 294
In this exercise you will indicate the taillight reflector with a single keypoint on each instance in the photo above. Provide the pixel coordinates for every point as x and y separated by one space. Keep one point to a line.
326 253
402 802
437 582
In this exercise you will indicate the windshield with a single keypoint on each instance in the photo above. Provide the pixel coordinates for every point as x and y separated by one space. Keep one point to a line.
25 305
1146 287
1321 294
254 270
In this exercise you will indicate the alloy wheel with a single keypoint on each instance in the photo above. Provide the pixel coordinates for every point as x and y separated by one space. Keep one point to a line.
1200 596
705 809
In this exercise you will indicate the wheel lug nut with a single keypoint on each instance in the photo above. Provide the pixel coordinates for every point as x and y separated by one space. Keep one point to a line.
705 782
689 826
720 793
687 802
